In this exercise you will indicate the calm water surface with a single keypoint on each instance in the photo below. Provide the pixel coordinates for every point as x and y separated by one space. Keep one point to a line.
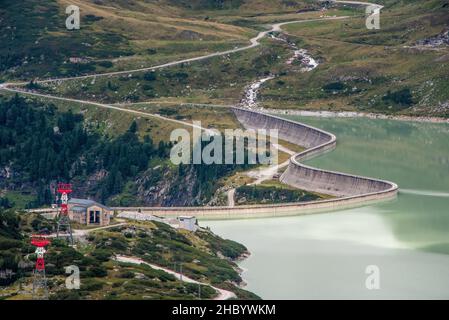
325 255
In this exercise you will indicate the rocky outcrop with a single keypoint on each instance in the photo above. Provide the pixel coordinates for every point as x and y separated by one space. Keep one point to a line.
435 41
162 186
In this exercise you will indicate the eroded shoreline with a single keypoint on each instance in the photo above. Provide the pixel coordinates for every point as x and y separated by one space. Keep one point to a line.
353 114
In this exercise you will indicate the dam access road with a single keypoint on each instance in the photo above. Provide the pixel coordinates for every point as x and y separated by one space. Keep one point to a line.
349 190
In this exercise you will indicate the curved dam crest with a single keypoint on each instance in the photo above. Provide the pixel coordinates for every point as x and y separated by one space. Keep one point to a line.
316 142
349 190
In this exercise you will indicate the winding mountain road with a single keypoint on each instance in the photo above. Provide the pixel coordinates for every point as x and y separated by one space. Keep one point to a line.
254 42
12 86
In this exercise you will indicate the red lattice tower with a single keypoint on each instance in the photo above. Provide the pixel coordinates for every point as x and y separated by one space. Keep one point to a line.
40 289
64 189
40 242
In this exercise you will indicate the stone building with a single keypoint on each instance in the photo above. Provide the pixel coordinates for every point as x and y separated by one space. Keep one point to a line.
187 222
88 212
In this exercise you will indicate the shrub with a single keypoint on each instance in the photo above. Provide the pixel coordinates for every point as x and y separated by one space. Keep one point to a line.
65 295
280 82
91 285
102 254
334 86
402 97
6 244
97 272
119 244
5 203
127 274
92 18
105 64
150 76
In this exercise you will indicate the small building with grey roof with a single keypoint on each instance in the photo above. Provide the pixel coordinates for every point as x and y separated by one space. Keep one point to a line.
87 212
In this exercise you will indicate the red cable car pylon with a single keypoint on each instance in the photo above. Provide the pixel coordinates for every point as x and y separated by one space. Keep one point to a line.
63 220
40 289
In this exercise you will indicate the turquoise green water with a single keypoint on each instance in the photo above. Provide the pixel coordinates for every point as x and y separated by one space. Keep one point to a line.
325 255
415 156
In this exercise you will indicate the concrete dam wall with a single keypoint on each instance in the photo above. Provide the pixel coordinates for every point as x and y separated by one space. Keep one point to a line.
291 131
317 142
350 190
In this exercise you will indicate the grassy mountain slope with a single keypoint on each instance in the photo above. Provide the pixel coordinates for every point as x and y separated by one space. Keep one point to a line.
36 42
369 70
204 257
118 35
360 69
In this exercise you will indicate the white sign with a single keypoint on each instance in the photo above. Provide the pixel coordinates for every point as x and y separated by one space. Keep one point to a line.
72 281
73 20
222 149
373 17
373 280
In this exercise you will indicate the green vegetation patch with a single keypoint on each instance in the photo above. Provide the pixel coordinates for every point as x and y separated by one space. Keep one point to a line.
257 194
202 256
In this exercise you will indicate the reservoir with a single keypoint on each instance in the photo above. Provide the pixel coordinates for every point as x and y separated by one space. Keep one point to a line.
326 256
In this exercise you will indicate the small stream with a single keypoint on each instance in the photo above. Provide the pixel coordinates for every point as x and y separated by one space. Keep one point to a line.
307 62
250 98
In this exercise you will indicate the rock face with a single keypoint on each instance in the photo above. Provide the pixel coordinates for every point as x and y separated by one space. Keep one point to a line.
160 186
5 173
316 141
436 41
188 35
